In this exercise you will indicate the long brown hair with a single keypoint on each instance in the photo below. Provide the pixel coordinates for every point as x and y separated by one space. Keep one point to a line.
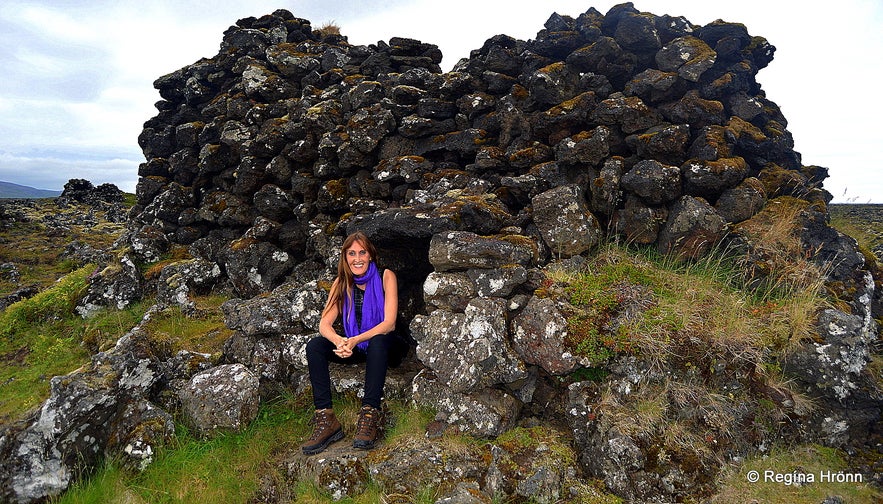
345 283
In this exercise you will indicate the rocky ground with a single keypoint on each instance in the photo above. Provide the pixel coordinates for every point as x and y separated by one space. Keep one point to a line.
868 217
43 239
341 470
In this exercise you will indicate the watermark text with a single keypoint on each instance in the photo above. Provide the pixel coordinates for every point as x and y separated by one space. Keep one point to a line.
802 478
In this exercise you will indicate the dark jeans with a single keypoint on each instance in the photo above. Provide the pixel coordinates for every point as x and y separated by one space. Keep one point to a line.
384 351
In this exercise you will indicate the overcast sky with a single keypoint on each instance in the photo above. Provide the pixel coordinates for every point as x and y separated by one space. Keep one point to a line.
77 76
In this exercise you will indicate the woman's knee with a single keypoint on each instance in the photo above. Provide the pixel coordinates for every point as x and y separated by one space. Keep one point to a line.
318 346
391 345
385 342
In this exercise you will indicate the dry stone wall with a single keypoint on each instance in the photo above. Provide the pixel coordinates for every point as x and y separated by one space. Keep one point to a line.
630 123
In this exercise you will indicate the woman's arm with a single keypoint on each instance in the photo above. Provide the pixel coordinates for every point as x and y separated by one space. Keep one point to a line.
390 311
329 316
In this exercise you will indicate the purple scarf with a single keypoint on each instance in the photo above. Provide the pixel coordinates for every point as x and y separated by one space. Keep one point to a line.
372 305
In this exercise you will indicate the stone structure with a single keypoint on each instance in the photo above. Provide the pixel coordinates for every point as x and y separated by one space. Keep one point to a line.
645 126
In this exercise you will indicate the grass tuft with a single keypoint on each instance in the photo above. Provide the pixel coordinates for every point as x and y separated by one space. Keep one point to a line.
794 463
53 303
328 28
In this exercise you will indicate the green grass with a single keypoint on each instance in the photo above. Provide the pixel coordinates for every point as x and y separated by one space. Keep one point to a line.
639 303
203 331
228 468
53 303
41 338
794 464
223 469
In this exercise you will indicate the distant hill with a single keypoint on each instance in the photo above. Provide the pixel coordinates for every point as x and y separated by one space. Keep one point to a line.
10 190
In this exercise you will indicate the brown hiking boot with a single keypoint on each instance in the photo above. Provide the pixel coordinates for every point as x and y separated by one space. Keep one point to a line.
326 430
367 428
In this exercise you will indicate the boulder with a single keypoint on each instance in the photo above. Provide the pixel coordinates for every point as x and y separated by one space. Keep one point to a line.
834 365
149 243
117 285
179 281
255 266
689 56
139 429
742 202
290 308
693 228
220 400
653 182
666 144
449 291
341 473
422 463
709 179
655 86
497 282
273 202
538 335
99 408
484 413
586 147
565 222
468 350
461 250
629 113
639 223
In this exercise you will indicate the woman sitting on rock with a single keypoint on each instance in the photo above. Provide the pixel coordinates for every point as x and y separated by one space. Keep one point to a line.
367 301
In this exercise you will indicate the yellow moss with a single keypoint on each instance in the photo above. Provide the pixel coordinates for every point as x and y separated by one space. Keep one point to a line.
774 129
776 179
219 205
756 42
556 67
433 177
520 92
337 188
727 164
352 80
742 128
535 152
578 101
242 244
481 139
522 241
704 51
723 80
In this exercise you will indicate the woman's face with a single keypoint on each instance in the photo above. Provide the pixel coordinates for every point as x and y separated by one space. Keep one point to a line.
357 258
